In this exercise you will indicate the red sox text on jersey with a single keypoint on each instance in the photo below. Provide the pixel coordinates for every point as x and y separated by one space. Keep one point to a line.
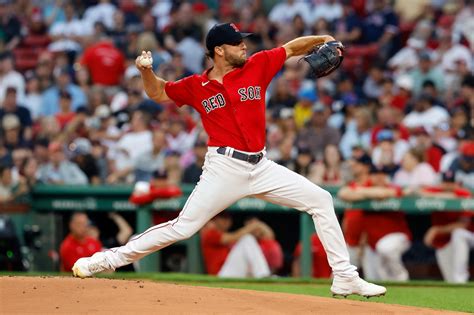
232 113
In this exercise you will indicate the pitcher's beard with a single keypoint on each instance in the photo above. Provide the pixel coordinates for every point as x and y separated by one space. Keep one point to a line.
236 61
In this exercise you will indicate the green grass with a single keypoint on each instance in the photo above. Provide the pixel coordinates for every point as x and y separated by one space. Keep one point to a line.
432 294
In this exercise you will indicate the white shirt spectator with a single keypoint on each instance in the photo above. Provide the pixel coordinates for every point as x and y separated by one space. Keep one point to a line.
453 55
193 54
13 79
422 175
327 11
400 147
33 103
406 58
130 147
161 11
68 29
283 13
101 12
427 119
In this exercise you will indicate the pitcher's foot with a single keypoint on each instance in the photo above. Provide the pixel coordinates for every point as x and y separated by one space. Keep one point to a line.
344 287
88 266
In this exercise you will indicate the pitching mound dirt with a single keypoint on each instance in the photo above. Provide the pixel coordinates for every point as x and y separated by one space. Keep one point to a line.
59 295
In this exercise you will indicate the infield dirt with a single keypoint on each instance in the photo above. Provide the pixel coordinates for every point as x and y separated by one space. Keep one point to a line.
63 295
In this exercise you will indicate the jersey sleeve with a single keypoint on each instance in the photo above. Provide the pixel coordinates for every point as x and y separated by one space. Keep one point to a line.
270 62
181 91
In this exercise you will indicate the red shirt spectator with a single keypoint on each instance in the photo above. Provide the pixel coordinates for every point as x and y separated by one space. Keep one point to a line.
105 63
214 252
72 249
78 243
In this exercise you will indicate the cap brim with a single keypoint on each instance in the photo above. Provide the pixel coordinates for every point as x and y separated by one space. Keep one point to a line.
244 35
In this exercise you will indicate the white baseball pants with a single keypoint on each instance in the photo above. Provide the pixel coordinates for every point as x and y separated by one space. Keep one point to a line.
245 259
385 263
453 259
224 181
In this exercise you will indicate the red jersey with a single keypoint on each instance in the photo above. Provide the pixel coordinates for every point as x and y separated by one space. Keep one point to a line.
232 113
447 217
375 224
321 268
71 250
106 63
214 252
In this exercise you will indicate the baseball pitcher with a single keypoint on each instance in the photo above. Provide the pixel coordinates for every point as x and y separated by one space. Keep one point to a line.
230 97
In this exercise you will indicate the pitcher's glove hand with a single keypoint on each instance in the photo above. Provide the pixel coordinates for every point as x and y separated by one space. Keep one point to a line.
325 58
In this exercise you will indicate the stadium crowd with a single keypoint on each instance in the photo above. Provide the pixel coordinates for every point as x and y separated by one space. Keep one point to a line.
73 109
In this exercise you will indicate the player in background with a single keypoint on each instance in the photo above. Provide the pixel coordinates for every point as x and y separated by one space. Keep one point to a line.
452 232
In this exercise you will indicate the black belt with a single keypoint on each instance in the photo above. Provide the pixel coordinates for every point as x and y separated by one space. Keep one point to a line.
250 158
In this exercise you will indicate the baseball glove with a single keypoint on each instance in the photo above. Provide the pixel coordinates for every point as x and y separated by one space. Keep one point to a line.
325 58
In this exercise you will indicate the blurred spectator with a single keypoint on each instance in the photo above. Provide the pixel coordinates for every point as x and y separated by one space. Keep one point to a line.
105 63
407 58
317 134
281 95
329 170
193 172
29 171
387 118
130 146
450 231
358 133
304 162
320 267
12 132
101 12
81 154
303 108
463 166
8 190
387 234
10 25
178 138
425 114
415 172
9 77
50 105
77 243
329 10
373 83
65 114
433 152
33 95
69 35
233 254
153 160
59 170
426 71
381 26
284 12
10 106
389 152
349 26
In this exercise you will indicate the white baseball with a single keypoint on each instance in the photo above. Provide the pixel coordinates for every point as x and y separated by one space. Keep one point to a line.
146 61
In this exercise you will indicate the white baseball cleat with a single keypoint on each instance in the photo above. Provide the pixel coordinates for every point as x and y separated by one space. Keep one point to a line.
344 287
88 266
